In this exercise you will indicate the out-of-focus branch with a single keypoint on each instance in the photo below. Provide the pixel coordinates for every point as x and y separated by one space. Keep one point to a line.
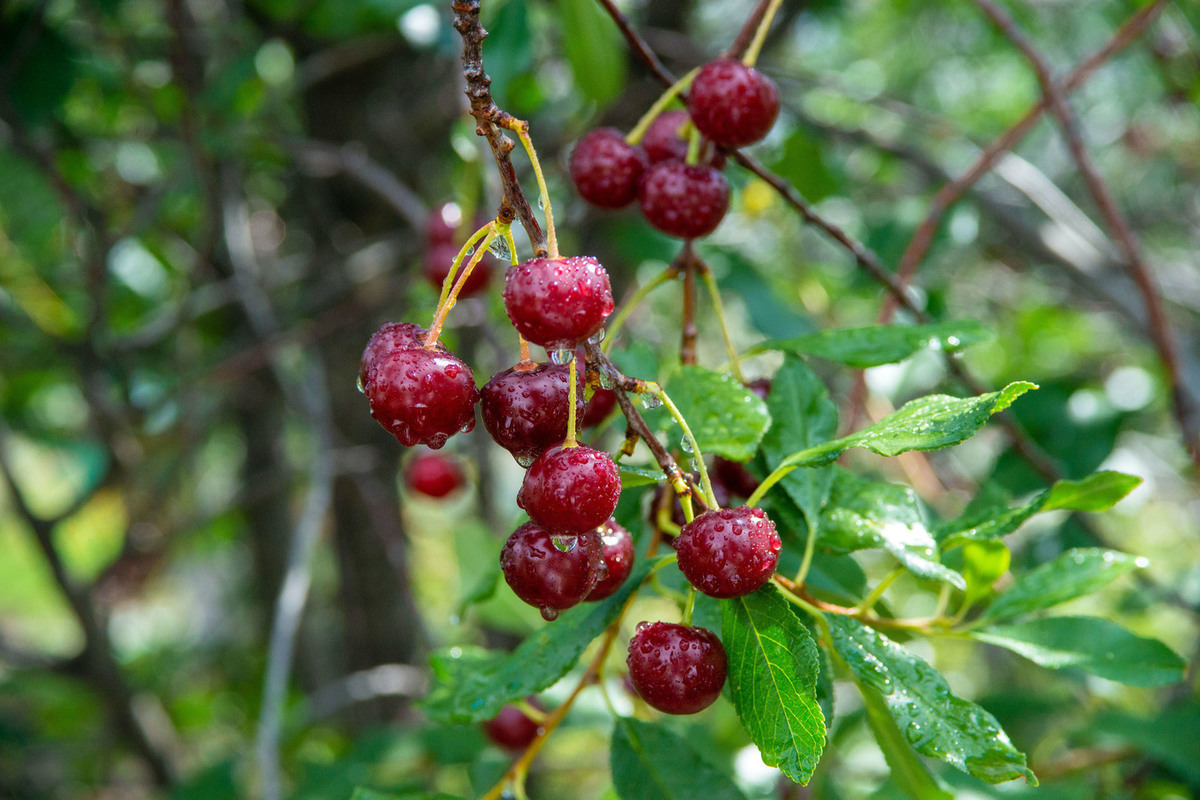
352 160
1116 223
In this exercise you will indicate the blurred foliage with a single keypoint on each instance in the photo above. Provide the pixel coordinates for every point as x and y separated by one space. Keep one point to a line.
175 172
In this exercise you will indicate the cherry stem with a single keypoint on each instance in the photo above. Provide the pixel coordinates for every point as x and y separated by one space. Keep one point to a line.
521 128
655 389
868 602
719 309
810 547
669 274
639 130
525 357
690 605
572 394
530 710
760 35
467 247
693 151
444 307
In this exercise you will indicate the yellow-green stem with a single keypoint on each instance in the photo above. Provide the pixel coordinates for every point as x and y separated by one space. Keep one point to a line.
710 498
668 274
448 284
690 605
810 547
522 132
639 130
760 35
439 318
572 394
714 294
530 710
693 151
872 598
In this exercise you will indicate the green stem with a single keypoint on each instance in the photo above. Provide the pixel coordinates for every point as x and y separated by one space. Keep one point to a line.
522 132
458 259
668 274
810 548
656 390
719 309
806 457
871 599
634 136
693 151
760 35
439 318
572 394
690 605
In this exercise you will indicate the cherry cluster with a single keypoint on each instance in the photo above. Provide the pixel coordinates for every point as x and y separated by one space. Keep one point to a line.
677 183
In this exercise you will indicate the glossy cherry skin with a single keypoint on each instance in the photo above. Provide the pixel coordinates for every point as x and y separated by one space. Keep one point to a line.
684 200
618 559
547 576
433 475
606 169
729 552
732 104
422 396
571 489
558 302
677 669
526 409
511 729
389 338
662 142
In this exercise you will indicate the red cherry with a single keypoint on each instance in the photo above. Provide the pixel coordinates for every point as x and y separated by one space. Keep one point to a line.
676 668
618 559
525 410
684 200
732 104
511 729
571 489
729 552
433 474
606 169
422 396
550 572
392 336
557 302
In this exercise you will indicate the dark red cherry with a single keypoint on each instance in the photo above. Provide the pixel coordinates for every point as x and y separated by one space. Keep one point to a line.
729 552
606 169
550 572
444 224
571 489
684 200
422 396
676 668
732 104
511 729
392 336
618 559
433 474
599 406
662 141
733 476
558 302
525 408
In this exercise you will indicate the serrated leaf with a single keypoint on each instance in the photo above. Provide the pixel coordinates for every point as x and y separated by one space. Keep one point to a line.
802 416
651 763
594 49
773 667
935 721
1092 644
875 345
473 685
726 418
1073 574
1097 492
909 772
863 514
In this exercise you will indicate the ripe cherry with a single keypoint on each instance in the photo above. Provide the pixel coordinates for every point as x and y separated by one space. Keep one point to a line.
734 477
601 404
557 302
549 572
662 141
684 200
570 489
606 169
732 104
676 668
392 336
618 559
525 408
729 552
422 396
433 474
511 729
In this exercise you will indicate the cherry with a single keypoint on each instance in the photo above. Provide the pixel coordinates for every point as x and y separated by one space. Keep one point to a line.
570 489
684 200
525 409
663 142
511 729
439 258
433 474
734 476
729 552
443 224
557 302
422 396
719 489
551 572
676 668
732 104
761 387
601 404
618 559
606 169
392 336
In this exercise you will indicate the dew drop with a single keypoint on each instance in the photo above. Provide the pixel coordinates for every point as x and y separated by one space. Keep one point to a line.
564 544
549 614
685 444
525 460
650 401
499 248
470 251
597 337
541 202
561 356
358 383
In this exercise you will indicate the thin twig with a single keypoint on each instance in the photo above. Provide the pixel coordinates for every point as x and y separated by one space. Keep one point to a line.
1115 221
749 28
687 343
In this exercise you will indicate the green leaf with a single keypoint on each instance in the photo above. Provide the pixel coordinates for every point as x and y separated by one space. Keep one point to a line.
983 563
1073 574
473 685
594 49
1097 492
773 666
908 771
803 416
639 476
1167 734
1092 644
362 793
863 514
726 418
882 344
936 722
651 763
